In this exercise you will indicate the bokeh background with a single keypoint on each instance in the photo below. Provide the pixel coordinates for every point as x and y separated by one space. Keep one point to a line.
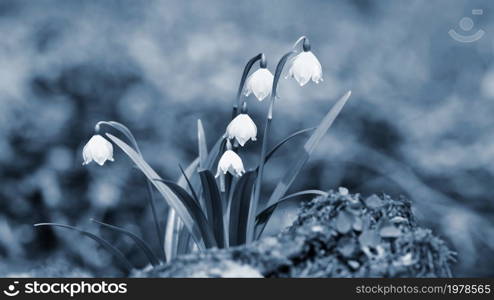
419 123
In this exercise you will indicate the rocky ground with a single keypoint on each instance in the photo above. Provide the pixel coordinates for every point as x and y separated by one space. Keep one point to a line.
341 235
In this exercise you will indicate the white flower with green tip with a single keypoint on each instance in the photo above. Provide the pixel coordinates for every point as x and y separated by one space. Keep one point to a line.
260 84
231 163
242 128
305 66
98 149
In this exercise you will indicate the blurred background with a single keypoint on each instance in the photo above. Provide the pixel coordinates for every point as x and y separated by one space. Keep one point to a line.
419 123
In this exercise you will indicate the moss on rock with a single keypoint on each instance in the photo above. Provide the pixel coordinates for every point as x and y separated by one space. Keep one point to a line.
341 235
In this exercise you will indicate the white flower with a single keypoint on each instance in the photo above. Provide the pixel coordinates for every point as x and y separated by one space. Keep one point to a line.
260 83
230 162
98 149
242 128
305 66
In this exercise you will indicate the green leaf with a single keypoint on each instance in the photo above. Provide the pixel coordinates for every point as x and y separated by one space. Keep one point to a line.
292 172
128 134
191 188
193 207
239 210
116 253
309 147
264 215
170 197
184 242
285 140
301 193
189 171
214 206
202 144
180 241
139 242
215 153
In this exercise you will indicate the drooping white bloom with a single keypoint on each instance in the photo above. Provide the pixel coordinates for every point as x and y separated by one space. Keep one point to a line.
98 149
230 162
242 128
260 83
305 66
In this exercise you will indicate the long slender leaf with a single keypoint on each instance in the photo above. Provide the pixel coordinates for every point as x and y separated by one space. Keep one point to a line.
202 144
309 147
183 242
266 213
285 140
196 212
239 210
189 184
139 242
174 227
215 153
117 253
169 196
173 224
189 171
157 226
128 134
214 206
292 172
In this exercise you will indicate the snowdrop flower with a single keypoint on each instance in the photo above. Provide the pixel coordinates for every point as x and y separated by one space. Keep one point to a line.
259 83
305 66
98 149
230 162
242 128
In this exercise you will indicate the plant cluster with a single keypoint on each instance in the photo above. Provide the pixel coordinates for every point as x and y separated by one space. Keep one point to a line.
217 201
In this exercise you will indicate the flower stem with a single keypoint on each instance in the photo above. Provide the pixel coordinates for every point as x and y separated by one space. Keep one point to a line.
257 188
300 39
247 68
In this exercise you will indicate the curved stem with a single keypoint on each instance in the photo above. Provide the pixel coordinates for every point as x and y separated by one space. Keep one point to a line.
277 75
300 39
123 129
247 68
257 188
